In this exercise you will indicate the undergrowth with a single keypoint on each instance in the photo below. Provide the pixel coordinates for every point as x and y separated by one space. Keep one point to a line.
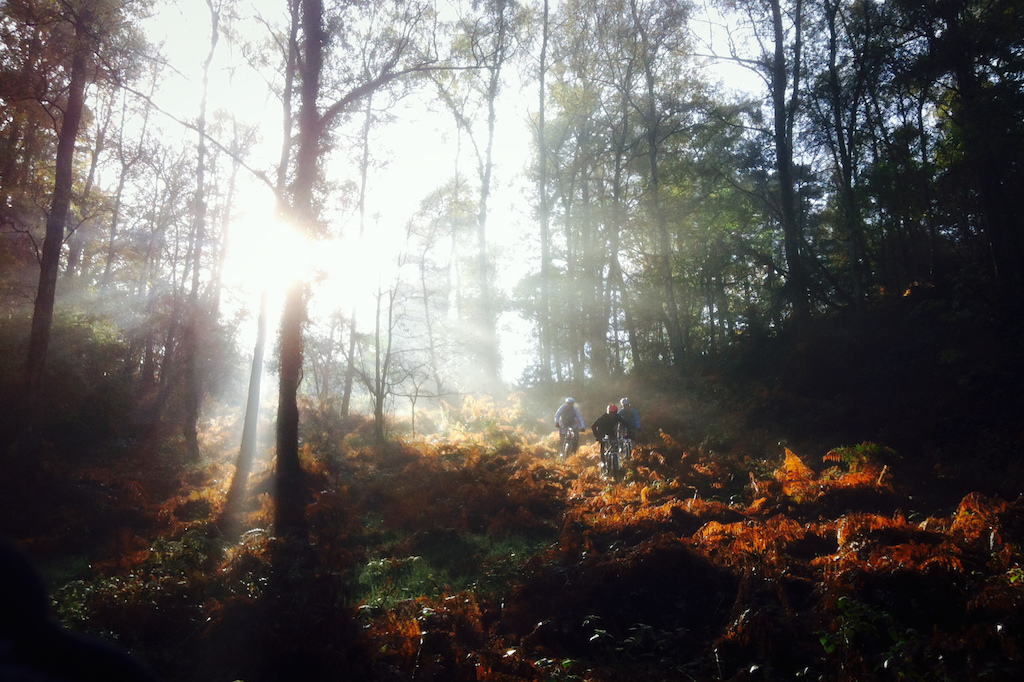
483 557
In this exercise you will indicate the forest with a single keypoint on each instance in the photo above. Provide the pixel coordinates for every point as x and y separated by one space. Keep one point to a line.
291 291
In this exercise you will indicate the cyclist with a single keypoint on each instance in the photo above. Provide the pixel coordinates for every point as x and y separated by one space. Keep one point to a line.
632 418
606 425
568 416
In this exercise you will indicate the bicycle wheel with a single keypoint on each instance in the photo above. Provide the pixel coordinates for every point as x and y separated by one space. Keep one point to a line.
610 460
570 444
626 449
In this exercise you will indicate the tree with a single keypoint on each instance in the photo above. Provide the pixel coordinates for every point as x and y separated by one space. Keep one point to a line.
247 451
129 155
364 169
383 355
974 56
658 27
490 42
838 110
576 143
89 205
544 208
57 51
625 106
778 32
86 26
195 315
433 234
396 55
42 316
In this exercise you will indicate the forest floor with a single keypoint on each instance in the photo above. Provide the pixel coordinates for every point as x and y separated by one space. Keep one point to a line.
854 514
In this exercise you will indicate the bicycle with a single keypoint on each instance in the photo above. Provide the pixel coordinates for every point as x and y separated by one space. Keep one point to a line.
611 465
626 444
570 442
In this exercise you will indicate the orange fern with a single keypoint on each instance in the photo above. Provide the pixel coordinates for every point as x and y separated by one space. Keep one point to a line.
798 480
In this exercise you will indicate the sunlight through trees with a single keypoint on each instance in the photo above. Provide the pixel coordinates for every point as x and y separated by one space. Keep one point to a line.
427 222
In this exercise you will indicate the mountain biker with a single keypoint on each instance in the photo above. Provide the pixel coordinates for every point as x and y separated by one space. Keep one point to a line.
632 418
606 424
568 416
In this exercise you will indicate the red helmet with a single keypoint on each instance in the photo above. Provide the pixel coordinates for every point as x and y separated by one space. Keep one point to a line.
613 408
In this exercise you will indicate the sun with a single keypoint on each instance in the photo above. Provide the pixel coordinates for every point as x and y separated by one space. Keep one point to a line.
265 253
345 273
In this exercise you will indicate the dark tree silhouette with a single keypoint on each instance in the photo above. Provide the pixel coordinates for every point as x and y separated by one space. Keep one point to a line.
42 315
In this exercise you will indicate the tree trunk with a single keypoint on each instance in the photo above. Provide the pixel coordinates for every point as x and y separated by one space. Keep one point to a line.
618 224
289 512
77 263
990 169
845 167
653 132
193 386
350 370
250 426
378 376
364 168
544 314
784 120
42 315
572 324
488 325
289 519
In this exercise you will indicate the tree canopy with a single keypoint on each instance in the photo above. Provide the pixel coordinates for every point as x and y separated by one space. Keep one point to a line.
876 150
